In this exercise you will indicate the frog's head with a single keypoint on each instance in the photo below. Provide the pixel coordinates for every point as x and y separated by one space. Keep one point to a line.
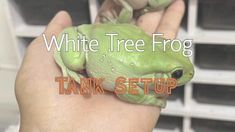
175 66
165 64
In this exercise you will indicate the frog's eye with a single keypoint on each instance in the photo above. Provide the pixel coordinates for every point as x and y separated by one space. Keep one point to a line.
177 74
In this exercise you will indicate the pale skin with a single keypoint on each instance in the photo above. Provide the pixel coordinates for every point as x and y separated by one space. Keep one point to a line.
43 109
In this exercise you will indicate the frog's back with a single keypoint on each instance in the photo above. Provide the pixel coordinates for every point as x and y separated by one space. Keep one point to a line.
115 48
122 62
112 64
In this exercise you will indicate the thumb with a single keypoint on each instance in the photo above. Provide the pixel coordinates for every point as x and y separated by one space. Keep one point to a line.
60 21
37 51
37 57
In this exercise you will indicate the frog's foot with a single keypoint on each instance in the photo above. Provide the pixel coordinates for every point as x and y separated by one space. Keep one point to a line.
156 5
60 62
159 4
108 16
125 15
143 98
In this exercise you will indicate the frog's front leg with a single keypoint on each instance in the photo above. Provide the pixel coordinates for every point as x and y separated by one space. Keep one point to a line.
155 5
71 61
159 4
142 97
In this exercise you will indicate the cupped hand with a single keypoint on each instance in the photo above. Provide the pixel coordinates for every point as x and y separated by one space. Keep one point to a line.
43 109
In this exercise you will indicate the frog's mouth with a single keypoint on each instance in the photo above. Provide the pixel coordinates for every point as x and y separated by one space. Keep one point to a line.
158 79
157 75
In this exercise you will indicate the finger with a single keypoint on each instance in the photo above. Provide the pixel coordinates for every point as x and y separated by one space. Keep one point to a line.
37 57
150 21
171 19
60 21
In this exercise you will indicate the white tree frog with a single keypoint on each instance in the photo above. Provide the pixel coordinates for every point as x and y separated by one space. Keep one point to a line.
111 65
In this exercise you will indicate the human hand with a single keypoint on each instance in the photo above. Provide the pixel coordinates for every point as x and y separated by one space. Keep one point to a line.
43 109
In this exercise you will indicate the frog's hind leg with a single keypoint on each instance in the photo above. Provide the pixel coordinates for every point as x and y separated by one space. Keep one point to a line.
65 71
75 75
142 98
59 61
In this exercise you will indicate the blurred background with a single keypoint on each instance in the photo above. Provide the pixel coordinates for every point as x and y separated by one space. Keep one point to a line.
207 104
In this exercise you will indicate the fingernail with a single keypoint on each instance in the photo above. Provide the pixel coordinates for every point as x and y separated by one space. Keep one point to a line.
59 18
